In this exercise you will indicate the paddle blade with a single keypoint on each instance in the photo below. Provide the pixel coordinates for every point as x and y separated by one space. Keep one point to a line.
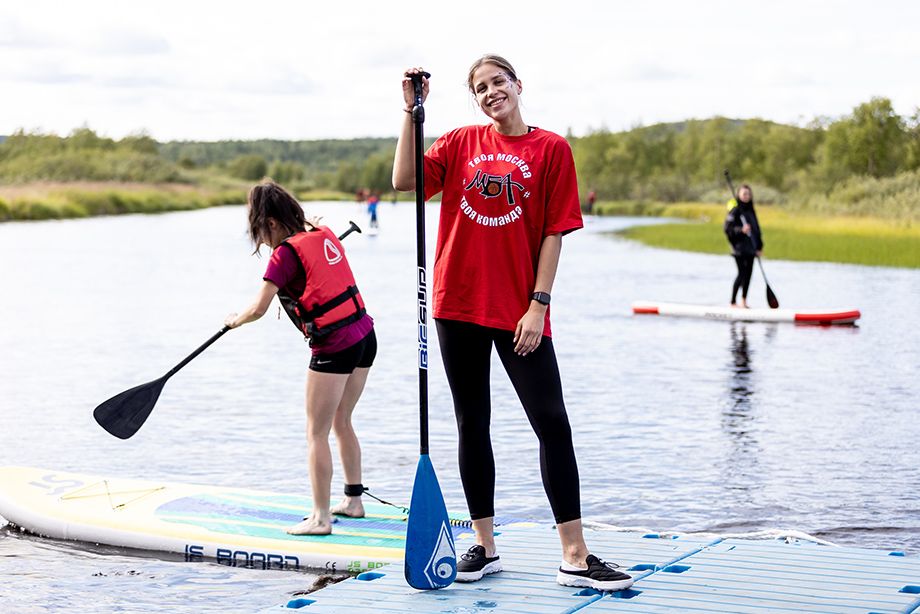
125 413
431 557
772 301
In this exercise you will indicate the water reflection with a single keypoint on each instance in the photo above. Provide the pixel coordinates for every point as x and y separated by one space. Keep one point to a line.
741 384
739 416
705 420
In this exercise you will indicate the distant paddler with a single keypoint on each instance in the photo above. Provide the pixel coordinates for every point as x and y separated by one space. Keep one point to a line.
743 232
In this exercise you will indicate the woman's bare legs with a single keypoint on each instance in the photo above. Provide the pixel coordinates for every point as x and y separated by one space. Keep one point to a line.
324 395
349 448
484 528
574 549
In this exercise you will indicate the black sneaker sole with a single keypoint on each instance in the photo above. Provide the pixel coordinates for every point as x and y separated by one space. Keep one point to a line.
584 582
473 576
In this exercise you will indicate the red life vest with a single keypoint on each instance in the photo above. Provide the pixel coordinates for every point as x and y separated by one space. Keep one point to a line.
330 299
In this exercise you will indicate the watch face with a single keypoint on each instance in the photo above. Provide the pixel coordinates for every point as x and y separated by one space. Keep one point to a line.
541 297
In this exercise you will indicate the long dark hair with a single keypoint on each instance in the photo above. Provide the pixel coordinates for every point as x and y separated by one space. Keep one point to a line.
270 200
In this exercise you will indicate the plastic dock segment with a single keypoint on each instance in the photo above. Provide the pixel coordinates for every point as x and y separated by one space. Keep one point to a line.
773 576
530 557
672 575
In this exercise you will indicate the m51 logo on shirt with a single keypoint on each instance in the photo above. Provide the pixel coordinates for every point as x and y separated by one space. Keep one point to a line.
493 186
333 255
488 186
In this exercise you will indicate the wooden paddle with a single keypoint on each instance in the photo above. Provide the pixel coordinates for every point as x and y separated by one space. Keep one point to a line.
125 413
431 557
772 301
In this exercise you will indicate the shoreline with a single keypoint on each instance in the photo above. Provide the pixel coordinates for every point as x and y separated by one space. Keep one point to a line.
75 200
788 235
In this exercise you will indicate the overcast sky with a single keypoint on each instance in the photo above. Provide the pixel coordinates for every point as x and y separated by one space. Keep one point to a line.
311 69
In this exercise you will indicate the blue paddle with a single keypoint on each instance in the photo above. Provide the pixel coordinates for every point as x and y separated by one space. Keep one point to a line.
431 557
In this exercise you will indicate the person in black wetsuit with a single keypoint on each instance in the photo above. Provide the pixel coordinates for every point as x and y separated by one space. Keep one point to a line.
743 232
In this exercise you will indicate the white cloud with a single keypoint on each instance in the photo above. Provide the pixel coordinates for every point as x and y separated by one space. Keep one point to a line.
129 42
291 69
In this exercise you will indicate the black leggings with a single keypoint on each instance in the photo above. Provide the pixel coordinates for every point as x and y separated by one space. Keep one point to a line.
745 264
466 350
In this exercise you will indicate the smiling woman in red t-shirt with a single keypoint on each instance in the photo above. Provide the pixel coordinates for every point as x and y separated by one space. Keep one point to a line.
509 195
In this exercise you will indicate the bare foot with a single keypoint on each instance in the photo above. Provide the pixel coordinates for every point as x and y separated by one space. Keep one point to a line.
350 506
311 526
745 305
734 304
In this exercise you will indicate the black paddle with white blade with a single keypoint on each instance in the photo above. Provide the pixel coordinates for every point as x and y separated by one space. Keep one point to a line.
431 557
126 412
772 301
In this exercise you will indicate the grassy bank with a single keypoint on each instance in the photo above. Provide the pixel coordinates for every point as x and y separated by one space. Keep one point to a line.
49 200
787 236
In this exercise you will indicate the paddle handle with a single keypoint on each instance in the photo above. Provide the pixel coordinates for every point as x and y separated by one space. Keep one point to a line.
352 227
418 119
198 351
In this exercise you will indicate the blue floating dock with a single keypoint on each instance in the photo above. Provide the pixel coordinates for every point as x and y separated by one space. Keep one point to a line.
673 574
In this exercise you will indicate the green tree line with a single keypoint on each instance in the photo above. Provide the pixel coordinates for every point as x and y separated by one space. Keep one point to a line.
871 151
865 162
344 165
83 155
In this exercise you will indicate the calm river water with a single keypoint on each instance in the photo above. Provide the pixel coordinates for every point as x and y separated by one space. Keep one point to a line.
680 425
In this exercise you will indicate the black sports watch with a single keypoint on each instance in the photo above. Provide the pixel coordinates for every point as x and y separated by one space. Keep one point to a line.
540 297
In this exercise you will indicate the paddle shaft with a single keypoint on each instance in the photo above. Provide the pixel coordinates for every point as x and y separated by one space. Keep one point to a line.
431 556
731 187
418 119
352 228
200 349
759 263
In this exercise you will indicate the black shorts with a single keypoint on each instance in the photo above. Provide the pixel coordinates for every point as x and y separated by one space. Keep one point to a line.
360 355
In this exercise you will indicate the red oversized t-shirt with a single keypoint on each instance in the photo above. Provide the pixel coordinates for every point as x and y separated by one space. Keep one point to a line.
502 196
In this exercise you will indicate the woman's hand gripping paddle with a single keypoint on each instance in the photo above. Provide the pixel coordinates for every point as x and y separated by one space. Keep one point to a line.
431 557
125 413
772 301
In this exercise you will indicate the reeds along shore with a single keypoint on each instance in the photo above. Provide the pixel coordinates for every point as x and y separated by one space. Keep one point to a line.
83 202
63 201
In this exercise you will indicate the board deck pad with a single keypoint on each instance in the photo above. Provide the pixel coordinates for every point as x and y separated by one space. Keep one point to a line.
234 526
821 317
